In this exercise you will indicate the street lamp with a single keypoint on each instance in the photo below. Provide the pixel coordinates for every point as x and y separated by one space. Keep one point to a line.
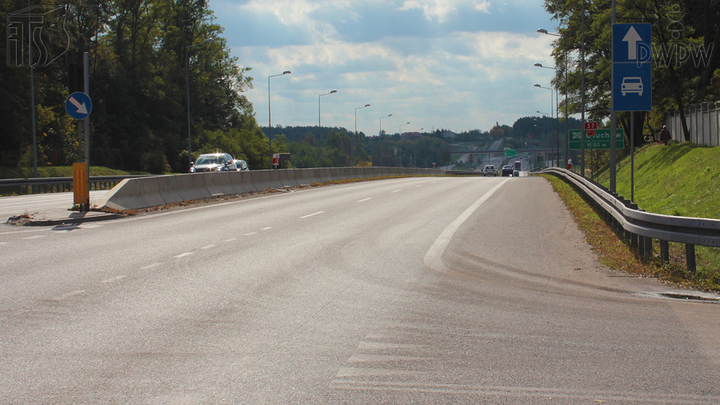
401 125
356 131
567 134
319 126
187 85
381 118
287 72
551 100
557 115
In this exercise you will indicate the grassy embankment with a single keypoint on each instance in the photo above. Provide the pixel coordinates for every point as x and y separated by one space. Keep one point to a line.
678 179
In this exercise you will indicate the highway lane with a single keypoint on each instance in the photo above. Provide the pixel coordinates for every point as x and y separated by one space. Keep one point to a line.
393 291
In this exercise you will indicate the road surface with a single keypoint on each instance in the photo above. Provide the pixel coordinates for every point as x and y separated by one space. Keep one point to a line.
402 291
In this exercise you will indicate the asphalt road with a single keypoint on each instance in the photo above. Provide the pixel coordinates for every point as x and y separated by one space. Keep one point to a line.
418 290
32 203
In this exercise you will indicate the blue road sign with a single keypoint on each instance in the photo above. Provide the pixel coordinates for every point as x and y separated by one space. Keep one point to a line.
78 105
632 87
632 43
632 67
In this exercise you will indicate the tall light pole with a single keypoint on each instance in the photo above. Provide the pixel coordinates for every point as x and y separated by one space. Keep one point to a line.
401 125
287 72
551 100
319 125
352 155
546 123
567 134
187 85
557 116
381 118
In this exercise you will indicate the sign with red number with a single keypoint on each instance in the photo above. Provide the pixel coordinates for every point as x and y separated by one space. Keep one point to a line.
591 125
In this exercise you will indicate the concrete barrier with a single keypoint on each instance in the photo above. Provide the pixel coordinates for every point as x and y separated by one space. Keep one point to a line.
266 179
152 191
133 193
306 177
192 186
242 182
287 177
168 189
219 184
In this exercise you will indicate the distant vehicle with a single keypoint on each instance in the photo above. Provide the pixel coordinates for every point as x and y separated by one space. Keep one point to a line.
490 170
632 85
241 165
507 170
213 162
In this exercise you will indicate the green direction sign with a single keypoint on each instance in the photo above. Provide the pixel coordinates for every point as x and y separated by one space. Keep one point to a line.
601 140
510 152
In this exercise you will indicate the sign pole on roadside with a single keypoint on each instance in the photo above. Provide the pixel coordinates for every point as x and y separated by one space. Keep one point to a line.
631 78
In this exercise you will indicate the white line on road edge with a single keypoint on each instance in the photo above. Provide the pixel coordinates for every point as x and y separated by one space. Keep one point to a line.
433 257
312 215
365 199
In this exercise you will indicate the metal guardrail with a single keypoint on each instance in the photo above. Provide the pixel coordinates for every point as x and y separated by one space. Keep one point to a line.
642 227
56 184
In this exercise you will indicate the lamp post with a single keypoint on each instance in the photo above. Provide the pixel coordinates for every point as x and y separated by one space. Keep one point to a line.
187 85
567 134
287 72
319 126
401 125
551 101
381 118
557 116
352 157
546 123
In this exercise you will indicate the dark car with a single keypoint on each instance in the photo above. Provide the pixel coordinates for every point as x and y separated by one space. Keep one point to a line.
507 170
213 162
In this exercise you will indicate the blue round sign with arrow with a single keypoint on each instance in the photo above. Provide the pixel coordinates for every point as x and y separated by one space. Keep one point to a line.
78 105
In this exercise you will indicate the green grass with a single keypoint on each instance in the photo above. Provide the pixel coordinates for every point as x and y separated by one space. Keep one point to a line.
678 179
57 171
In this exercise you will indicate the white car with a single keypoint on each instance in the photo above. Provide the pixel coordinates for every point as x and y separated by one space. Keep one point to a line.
213 162
490 170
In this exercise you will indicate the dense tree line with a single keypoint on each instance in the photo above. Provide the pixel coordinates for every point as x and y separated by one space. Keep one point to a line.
142 52
686 55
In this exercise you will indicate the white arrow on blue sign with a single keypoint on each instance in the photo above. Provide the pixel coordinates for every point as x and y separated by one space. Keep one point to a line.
78 105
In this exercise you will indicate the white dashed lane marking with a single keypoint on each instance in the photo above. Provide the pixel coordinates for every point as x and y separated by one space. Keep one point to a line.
35 237
312 215
365 199
180 256
113 279
151 266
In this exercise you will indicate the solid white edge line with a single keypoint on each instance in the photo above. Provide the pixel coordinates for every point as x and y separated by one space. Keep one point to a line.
433 257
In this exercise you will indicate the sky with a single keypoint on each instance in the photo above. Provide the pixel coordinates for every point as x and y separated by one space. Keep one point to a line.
452 64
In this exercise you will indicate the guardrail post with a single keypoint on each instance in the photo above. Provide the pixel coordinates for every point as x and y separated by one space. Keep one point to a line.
633 240
641 246
665 251
690 253
648 247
